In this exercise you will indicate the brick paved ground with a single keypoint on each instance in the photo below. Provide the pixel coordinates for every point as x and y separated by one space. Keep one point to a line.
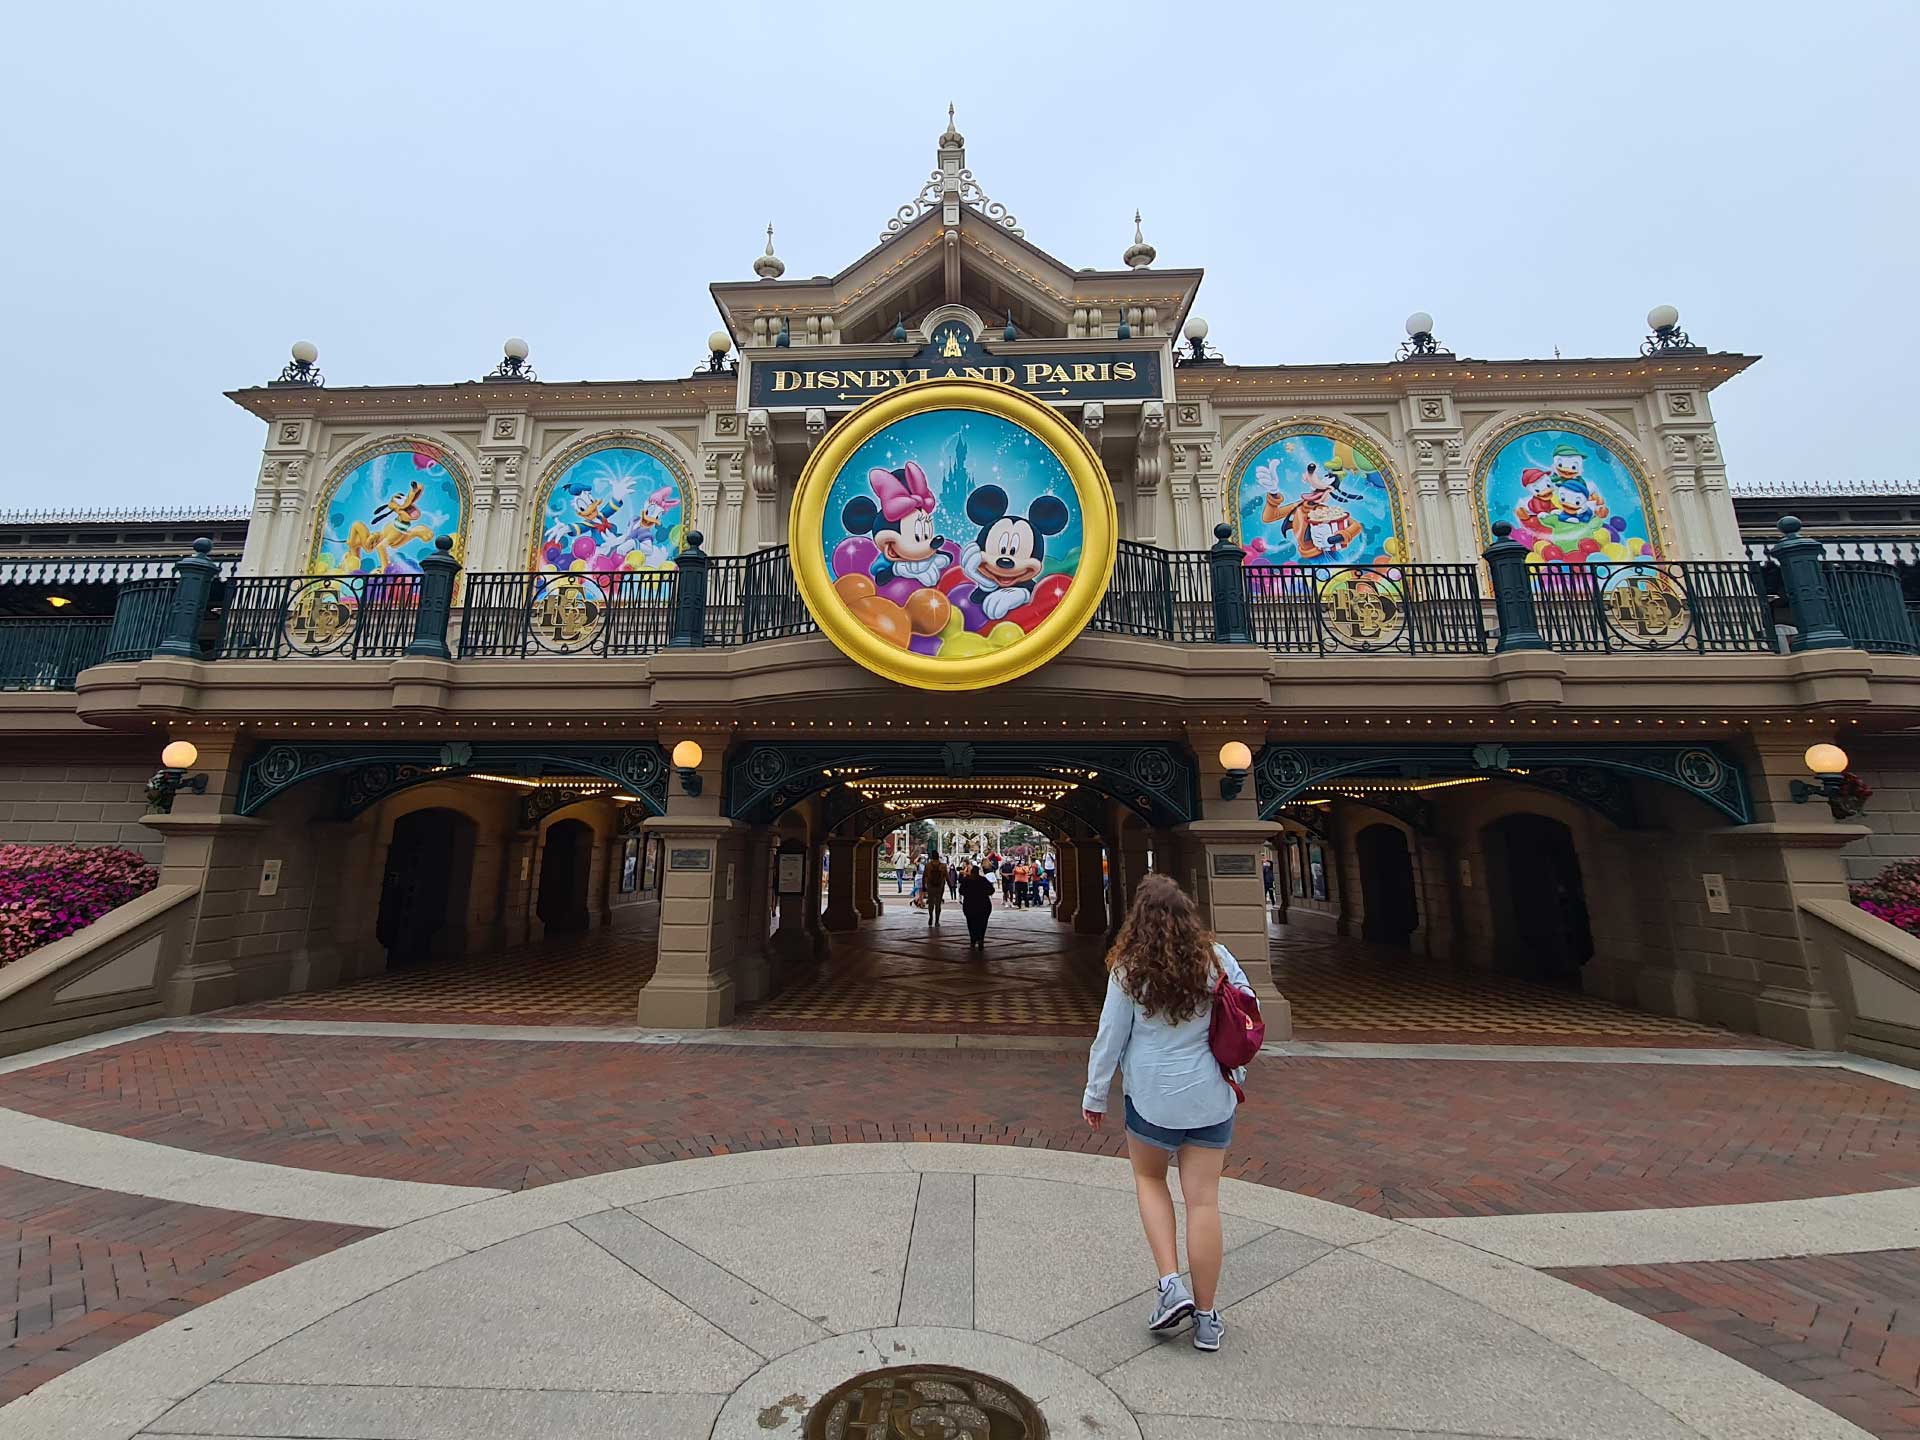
82 1270
1843 1330
1399 1138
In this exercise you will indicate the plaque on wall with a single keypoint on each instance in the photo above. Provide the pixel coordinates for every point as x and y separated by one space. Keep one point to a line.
1231 864
689 860
792 873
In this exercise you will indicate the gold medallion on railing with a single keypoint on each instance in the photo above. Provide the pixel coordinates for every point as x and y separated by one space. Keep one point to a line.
568 612
953 535
1361 610
1644 606
320 616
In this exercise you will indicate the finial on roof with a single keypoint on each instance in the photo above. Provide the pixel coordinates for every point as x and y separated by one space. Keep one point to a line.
769 266
1139 254
952 138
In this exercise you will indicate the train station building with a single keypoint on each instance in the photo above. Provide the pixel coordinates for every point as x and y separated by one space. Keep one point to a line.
621 684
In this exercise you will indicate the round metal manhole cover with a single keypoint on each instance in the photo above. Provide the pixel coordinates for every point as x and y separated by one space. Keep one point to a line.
925 1402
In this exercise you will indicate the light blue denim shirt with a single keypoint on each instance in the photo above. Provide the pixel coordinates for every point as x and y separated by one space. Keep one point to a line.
1170 1073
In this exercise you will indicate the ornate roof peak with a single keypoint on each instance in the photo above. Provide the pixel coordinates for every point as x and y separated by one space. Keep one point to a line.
1139 254
769 266
950 187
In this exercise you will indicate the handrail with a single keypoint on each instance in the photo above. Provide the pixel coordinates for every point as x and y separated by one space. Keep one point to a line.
1184 597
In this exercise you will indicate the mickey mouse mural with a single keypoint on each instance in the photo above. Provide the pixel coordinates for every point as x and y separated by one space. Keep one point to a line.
953 535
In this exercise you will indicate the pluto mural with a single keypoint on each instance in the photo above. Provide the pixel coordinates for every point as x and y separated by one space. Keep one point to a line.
381 517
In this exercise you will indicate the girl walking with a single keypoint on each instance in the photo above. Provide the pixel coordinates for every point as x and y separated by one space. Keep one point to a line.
1160 978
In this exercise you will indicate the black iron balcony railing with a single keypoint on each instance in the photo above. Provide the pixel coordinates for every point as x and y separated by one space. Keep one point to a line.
1798 600
618 612
1870 606
37 654
1703 606
351 617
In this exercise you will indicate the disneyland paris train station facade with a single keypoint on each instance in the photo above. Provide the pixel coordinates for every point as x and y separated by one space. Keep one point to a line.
1481 657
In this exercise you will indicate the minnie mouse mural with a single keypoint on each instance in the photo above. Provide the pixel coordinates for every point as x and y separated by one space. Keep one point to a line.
952 542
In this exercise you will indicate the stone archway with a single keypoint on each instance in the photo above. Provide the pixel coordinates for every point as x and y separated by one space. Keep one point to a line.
566 873
1542 928
424 883
1388 894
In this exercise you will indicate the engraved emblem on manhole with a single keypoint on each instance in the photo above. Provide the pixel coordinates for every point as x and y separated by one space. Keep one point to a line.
924 1402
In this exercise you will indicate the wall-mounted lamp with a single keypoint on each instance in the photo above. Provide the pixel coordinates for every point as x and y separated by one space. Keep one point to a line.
172 778
1236 759
59 602
1844 794
687 756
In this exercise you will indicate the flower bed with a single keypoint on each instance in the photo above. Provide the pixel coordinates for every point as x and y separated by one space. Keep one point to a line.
49 891
1893 895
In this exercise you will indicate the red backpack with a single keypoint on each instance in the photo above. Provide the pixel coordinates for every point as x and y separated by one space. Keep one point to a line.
1236 1031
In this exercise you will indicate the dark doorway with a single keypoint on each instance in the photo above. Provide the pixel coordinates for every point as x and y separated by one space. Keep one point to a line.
423 892
1386 885
566 859
1541 928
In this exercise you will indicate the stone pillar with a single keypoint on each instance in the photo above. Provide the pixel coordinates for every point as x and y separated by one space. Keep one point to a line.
752 973
843 881
866 879
1224 849
693 983
237 942
1090 909
790 947
816 930
1129 869
1066 879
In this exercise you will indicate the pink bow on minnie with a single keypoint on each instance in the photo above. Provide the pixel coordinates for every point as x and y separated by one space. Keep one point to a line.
900 499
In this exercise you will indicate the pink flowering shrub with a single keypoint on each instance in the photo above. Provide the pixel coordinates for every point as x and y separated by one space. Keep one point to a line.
1893 895
49 891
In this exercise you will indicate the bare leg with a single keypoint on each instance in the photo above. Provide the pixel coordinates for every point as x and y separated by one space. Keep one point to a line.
1156 1205
1200 1168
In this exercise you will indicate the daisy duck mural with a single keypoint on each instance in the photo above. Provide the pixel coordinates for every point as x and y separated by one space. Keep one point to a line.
618 508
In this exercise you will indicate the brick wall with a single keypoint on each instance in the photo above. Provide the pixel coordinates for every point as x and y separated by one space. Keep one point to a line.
59 802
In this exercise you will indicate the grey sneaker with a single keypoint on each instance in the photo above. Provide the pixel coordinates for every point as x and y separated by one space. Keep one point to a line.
1175 1304
1207 1329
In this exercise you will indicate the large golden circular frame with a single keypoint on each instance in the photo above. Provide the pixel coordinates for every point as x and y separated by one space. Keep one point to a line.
806 524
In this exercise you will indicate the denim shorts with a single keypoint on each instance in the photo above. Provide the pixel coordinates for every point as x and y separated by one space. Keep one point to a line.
1210 1137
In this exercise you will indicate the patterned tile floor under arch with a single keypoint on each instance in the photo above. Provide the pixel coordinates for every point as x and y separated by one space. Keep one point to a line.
1036 977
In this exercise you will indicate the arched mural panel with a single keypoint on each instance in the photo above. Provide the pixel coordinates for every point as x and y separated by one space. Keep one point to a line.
1315 492
612 502
1572 492
383 508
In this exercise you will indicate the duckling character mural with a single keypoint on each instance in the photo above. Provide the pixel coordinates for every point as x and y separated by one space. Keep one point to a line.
382 516
1570 497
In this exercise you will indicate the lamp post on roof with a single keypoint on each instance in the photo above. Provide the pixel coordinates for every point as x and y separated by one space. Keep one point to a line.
1197 352
1663 321
1420 344
718 344
513 362
301 367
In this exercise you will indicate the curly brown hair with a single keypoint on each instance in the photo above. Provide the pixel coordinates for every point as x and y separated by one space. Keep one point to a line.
1163 955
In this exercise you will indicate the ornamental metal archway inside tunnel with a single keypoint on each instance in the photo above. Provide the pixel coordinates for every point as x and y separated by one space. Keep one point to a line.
1155 780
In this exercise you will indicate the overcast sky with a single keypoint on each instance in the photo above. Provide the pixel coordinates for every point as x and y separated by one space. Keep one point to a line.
189 188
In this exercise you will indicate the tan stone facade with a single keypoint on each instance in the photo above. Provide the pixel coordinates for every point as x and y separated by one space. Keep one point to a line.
405 761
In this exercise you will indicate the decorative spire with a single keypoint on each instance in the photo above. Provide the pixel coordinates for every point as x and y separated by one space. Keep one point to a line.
950 188
1139 254
769 266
